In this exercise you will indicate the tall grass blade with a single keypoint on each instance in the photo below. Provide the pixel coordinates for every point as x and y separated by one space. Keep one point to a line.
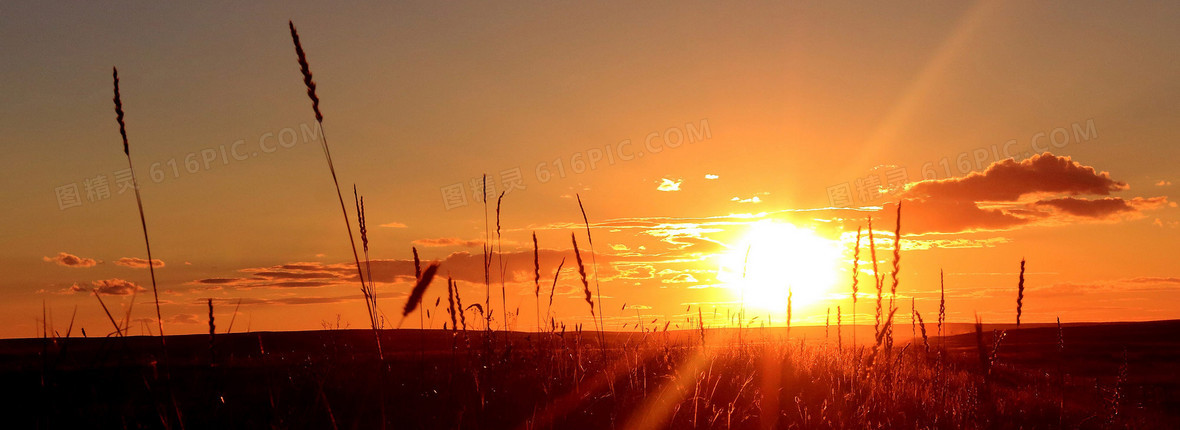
305 69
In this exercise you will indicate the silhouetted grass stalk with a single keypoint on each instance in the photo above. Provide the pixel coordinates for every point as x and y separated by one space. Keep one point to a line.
319 117
417 277
419 290
537 280
593 260
896 270
500 265
367 289
233 317
589 300
1020 294
552 290
582 273
151 263
855 282
451 304
118 330
876 279
487 257
922 325
212 333
138 201
459 306
941 305
913 319
880 337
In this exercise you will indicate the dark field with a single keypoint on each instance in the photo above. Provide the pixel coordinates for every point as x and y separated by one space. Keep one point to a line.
1114 375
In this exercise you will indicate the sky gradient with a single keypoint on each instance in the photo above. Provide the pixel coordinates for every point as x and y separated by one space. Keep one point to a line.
692 132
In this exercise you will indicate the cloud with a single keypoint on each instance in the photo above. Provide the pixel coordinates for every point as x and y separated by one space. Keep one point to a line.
292 275
960 243
448 241
300 284
1137 284
711 176
1103 208
393 225
1009 180
681 279
138 263
669 185
299 266
1170 224
1163 183
948 216
657 222
284 300
182 319
754 199
462 266
1044 189
1153 280
70 260
113 287
687 235
278 274
634 271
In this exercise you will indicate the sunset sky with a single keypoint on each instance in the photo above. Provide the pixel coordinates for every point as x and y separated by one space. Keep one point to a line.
692 131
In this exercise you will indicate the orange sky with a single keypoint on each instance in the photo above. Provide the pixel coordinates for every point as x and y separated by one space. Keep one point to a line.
711 128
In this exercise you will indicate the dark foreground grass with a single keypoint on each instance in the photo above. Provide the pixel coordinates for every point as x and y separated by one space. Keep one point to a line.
442 379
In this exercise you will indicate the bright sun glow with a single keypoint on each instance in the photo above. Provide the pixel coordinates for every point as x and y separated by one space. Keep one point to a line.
781 256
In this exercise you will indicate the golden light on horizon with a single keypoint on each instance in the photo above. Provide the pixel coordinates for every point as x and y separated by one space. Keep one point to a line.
781 257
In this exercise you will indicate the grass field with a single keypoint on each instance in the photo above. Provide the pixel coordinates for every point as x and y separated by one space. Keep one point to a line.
1110 375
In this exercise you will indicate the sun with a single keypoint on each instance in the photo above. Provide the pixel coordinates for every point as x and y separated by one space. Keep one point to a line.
775 256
